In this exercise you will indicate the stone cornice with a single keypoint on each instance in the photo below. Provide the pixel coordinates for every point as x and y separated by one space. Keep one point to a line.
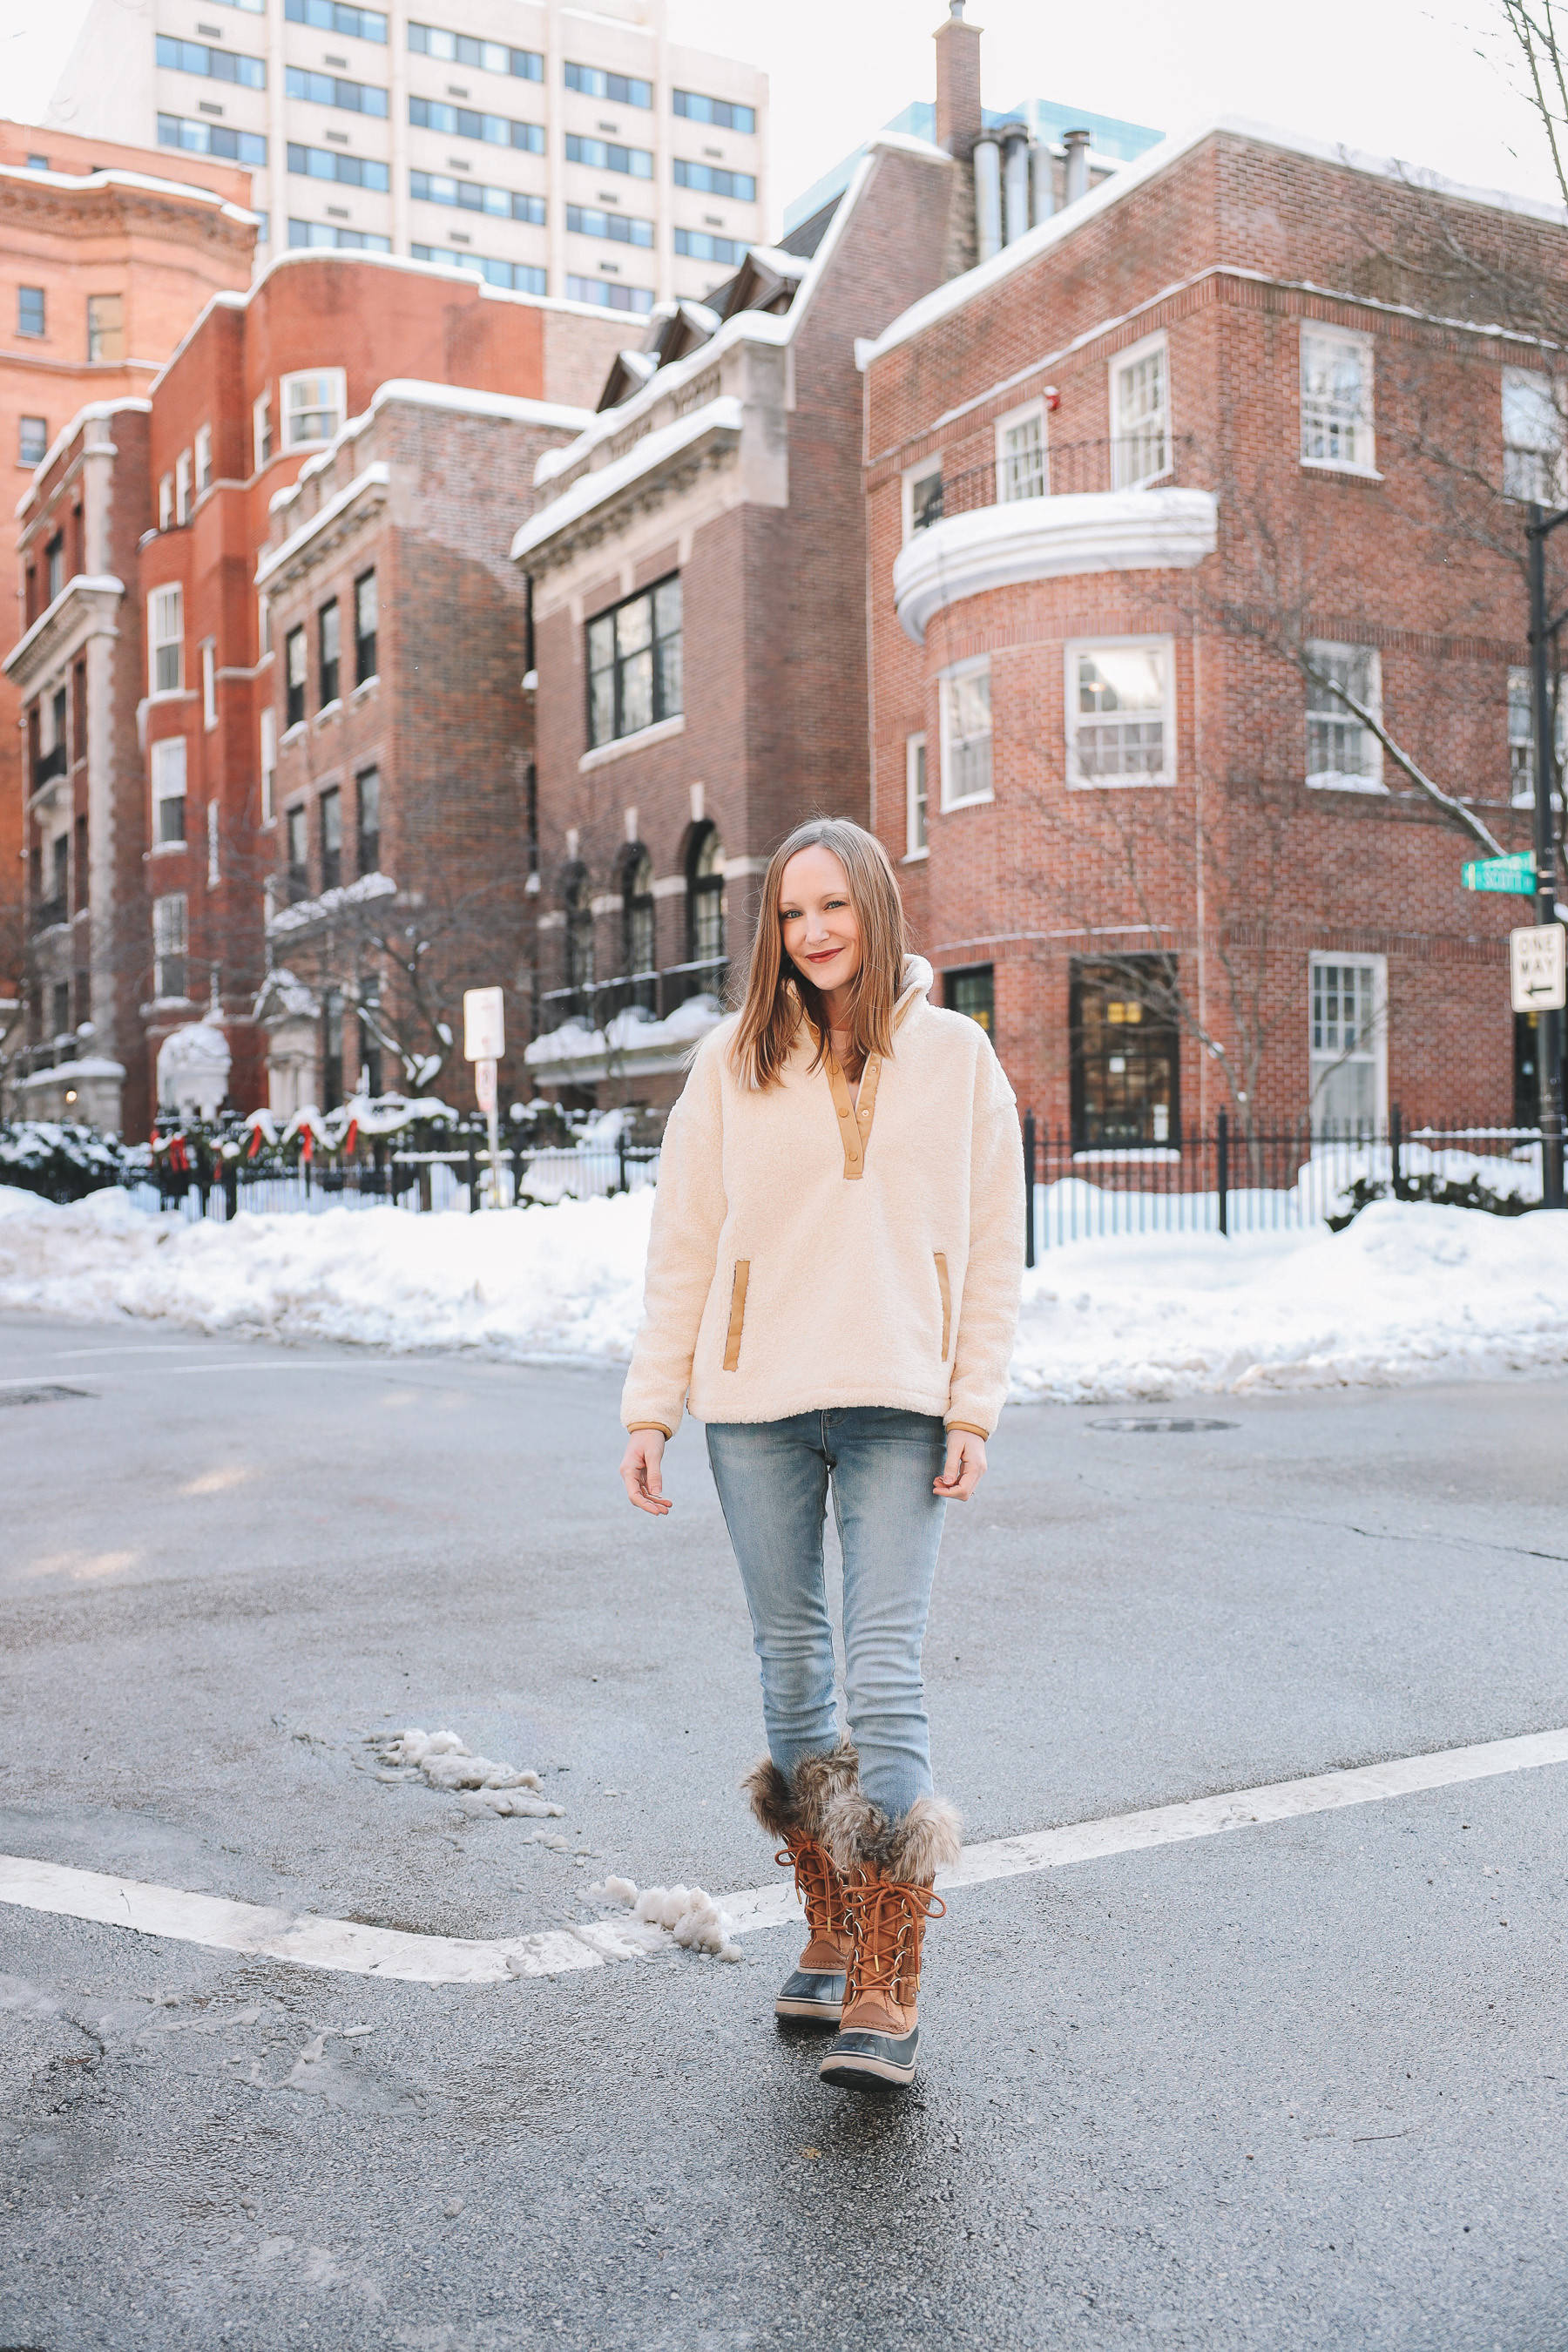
607 499
1050 539
85 606
325 530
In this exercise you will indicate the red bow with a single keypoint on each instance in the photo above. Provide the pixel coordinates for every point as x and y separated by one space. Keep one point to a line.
352 1138
254 1143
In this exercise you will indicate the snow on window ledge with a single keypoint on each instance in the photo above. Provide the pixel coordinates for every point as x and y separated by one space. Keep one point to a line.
1330 780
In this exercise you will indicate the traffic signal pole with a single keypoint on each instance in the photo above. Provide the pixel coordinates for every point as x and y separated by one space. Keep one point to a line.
1549 1029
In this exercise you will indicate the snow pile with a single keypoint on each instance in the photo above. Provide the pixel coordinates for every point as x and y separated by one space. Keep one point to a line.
688 1915
1408 1292
634 1030
441 1760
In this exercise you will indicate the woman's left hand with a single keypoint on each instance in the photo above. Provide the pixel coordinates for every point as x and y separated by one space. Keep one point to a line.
964 1467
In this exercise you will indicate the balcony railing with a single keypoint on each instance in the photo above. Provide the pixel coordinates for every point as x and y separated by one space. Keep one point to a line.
596 1002
1128 462
48 765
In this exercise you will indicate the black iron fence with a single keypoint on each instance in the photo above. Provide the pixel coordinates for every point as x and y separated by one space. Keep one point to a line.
1234 1180
455 1176
1151 459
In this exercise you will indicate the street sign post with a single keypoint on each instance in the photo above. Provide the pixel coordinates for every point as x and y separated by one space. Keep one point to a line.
1515 875
1538 967
1545 781
484 1044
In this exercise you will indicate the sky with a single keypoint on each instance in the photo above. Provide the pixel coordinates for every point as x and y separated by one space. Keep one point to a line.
1424 80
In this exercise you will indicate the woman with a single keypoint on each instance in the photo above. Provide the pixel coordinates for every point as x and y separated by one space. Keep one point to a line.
833 1285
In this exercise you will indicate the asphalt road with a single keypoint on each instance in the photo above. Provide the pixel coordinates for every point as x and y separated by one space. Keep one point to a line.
1304 2087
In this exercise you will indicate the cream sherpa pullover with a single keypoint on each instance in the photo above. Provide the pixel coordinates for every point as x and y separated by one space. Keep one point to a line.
809 1251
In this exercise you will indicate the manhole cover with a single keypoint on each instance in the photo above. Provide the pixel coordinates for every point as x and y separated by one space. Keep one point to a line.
48 1393
1162 1424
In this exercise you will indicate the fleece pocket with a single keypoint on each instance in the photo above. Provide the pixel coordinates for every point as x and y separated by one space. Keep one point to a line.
738 1313
943 1285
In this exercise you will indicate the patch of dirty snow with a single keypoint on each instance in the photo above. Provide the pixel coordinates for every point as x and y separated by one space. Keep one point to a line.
689 1915
441 1760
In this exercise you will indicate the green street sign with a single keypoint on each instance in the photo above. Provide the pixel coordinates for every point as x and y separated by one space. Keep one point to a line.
1516 874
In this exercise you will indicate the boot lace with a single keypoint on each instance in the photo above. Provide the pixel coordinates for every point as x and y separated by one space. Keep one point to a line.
818 1885
889 1916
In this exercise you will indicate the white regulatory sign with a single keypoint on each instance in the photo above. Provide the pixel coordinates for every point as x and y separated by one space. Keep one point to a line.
484 1024
1538 967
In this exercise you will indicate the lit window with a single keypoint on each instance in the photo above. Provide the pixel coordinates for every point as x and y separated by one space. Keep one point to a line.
1336 400
1532 437
105 327
973 994
1343 755
312 405
634 664
1021 455
169 790
165 640
1349 1030
1124 1055
204 460
967 735
170 939
1121 721
915 842
1141 414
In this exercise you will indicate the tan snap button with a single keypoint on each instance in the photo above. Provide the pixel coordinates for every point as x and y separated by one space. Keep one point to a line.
844 1113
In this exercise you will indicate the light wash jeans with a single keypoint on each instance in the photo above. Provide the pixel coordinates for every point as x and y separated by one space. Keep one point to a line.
773 1479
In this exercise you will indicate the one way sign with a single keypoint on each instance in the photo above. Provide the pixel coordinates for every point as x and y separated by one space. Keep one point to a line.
1538 967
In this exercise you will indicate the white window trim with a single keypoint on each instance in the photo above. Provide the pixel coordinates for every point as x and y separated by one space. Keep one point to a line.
1373 783
260 414
268 766
1379 1026
311 375
1159 341
169 778
209 684
1167 775
913 746
183 486
911 475
263 628
1364 468
156 693
166 502
969 800
1010 422
214 875
1552 449
204 450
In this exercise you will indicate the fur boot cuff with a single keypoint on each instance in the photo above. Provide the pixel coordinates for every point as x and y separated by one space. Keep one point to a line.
795 1805
928 1838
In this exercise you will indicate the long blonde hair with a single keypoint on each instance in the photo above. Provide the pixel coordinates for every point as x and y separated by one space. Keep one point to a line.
776 993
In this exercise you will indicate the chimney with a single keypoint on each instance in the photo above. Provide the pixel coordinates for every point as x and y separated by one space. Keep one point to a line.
988 231
1015 180
958 115
1042 182
1076 145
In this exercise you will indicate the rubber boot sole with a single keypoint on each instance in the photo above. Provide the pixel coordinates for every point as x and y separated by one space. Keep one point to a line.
872 2062
811 1997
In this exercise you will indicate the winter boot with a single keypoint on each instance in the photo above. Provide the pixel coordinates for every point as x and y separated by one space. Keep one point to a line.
791 1807
889 1874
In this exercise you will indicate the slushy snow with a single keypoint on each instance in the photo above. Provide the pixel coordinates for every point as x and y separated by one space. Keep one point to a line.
1407 1293
441 1758
688 1914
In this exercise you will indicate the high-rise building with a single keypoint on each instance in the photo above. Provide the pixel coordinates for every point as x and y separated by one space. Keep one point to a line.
572 152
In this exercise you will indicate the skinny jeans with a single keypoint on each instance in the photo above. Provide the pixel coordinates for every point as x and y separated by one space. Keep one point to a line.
774 1479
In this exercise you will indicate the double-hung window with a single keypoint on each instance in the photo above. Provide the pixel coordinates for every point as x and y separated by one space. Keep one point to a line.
364 628
966 734
167 640
1349 1028
1121 712
332 823
105 327
915 842
312 405
1336 400
183 486
297 840
294 663
367 787
204 460
1532 437
1343 753
169 792
328 638
634 664
170 939
1021 453
1141 414
261 430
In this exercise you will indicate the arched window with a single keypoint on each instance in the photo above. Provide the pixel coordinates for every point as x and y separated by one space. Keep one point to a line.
705 907
579 973
639 953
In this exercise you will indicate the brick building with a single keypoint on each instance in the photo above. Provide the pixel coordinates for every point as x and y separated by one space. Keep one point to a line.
697 569
1224 410
178 788
107 254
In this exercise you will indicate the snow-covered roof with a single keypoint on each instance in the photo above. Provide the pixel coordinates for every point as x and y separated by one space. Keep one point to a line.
78 584
454 399
592 488
305 911
371 478
943 300
148 183
93 408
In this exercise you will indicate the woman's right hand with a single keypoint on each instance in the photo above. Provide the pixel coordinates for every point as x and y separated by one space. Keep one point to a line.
641 1472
